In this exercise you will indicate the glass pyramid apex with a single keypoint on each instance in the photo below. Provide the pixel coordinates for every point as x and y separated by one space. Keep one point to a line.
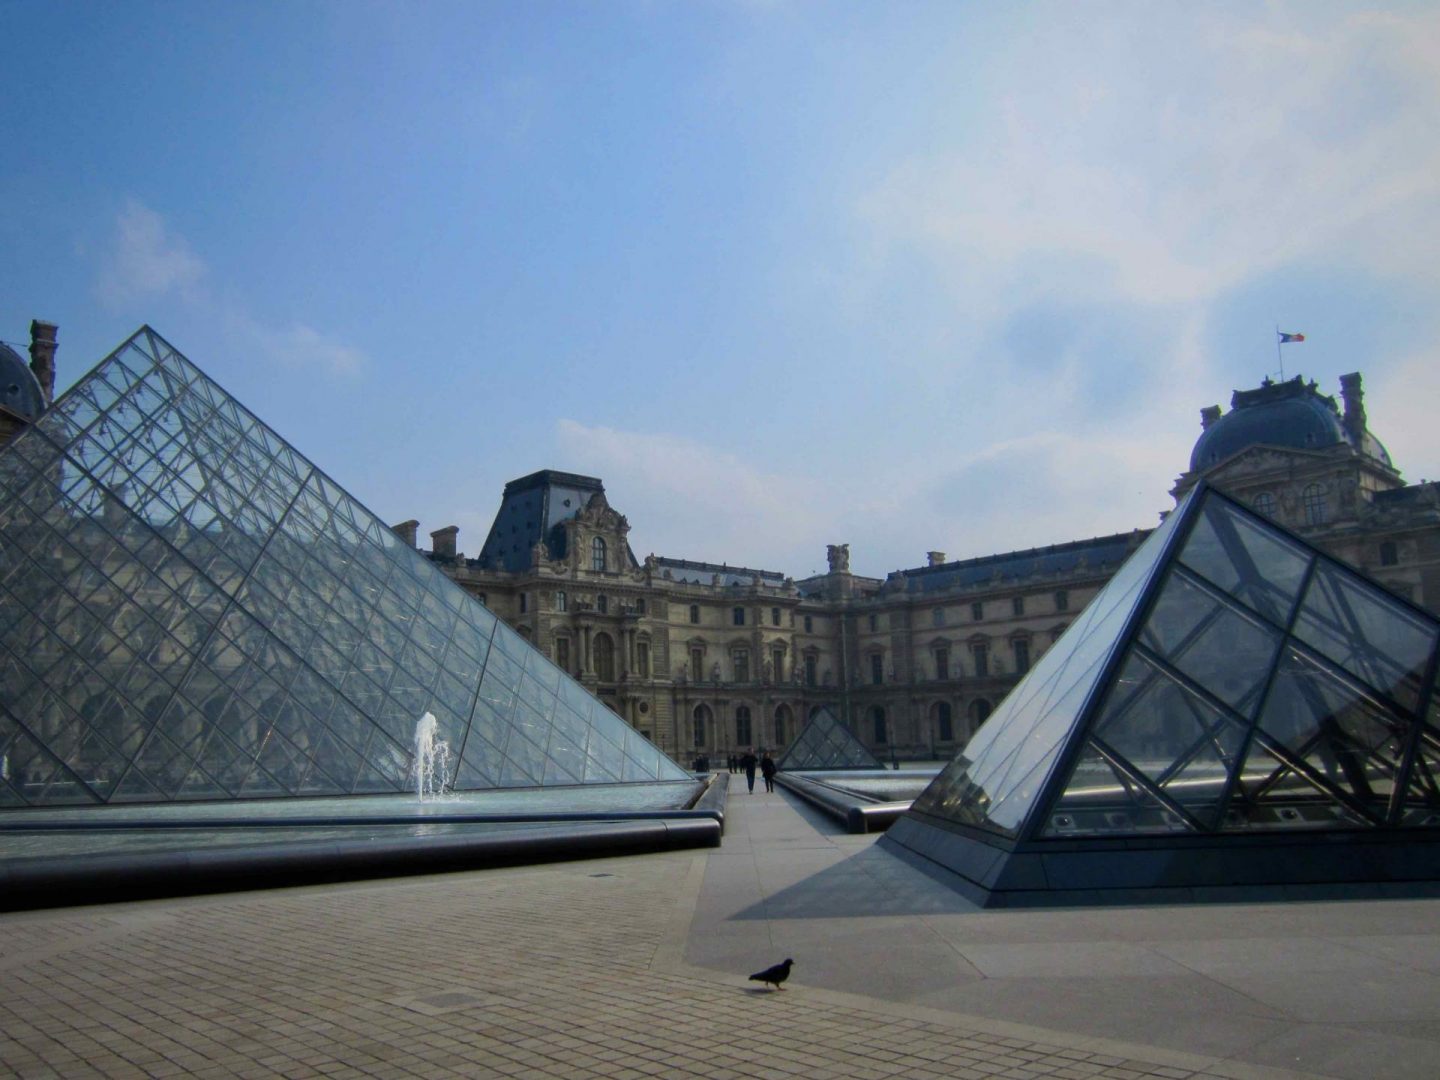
189 609
827 744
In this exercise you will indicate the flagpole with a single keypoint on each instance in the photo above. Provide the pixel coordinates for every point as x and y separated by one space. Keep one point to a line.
1279 357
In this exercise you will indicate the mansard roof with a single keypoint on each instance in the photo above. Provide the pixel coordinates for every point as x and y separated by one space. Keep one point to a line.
1100 556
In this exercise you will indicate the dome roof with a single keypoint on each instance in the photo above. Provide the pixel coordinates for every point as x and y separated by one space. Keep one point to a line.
1290 414
19 389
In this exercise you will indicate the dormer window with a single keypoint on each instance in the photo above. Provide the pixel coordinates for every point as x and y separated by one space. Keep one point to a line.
597 553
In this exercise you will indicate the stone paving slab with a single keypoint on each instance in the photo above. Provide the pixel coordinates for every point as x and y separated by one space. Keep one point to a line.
573 970
1342 989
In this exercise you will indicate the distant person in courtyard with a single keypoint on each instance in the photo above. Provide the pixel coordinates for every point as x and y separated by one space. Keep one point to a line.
767 770
748 763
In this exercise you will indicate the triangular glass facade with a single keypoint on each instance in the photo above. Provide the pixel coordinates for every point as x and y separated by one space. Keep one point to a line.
1229 679
827 744
190 610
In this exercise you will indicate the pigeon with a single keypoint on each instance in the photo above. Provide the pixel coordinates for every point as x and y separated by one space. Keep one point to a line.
774 975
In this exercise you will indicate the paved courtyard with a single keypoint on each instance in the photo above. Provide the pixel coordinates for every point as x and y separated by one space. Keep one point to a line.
630 968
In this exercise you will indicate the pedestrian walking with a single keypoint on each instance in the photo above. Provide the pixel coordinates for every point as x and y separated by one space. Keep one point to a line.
748 763
767 770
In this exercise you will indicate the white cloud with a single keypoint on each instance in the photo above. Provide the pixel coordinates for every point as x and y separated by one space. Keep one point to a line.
1167 171
302 346
146 260
690 500
149 261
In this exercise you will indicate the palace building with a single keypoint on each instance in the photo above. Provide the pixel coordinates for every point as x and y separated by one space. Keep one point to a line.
707 658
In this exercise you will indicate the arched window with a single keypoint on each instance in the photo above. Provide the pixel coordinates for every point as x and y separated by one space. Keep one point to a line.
742 726
597 553
782 723
604 653
877 719
702 724
944 726
1312 499
980 710
1264 504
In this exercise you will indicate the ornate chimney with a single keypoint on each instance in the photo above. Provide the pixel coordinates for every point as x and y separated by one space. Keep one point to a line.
42 356
406 531
442 541
934 558
1354 398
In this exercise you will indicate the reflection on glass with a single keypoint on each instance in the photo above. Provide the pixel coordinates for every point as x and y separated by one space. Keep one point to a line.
1373 637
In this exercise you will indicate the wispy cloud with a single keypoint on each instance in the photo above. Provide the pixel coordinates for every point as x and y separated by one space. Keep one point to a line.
691 500
146 259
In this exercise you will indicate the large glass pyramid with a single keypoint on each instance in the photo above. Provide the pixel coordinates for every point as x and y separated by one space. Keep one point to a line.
189 609
827 744
1229 681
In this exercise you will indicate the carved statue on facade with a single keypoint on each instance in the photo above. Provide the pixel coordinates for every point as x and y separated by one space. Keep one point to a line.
839 557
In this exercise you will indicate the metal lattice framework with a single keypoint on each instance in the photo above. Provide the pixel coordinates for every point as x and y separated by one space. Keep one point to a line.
189 609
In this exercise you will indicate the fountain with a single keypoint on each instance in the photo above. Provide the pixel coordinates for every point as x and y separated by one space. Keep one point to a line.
432 760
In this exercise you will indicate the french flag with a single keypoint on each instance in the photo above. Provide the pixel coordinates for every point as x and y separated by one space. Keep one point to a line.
1285 339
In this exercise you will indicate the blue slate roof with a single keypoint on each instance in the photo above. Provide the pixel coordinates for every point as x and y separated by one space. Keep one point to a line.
1102 555
19 389
1291 414
703 573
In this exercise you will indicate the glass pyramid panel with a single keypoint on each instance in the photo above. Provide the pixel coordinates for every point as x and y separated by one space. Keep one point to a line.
191 610
1371 636
827 744
1037 717
1354 744
1249 560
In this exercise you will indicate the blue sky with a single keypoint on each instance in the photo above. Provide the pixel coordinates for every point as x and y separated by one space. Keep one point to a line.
910 276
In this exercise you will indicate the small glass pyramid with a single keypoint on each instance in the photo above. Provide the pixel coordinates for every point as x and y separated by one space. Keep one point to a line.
827 744
189 609
1229 680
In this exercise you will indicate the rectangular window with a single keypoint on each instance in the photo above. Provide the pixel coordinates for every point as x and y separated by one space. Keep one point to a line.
977 611
697 665
642 659
1062 601
559 601
942 663
524 603
774 616
877 668
694 613
810 670
777 664
937 617
874 623
562 654
982 660
809 626
640 606
1018 605
602 603
737 616
742 665
1022 656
